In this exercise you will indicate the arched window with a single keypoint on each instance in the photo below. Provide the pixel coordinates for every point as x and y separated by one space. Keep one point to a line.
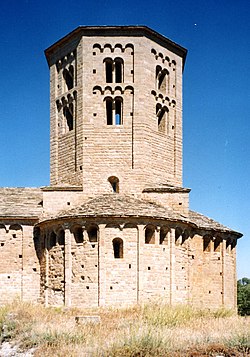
150 235
217 244
109 70
114 70
161 79
68 116
207 243
118 248
178 236
161 114
78 234
114 110
68 75
92 233
118 70
52 239
118 111
61 237
114 182
164 235
109 111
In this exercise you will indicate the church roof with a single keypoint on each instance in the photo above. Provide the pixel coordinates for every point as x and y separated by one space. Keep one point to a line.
20 202
117 205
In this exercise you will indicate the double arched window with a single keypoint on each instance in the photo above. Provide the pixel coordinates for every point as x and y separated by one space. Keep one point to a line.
161 114
114 110
114 70
162 79
68 75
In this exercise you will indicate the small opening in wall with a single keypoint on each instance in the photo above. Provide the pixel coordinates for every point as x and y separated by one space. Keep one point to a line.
164 288
118 248
93 245
131 114
111 287
81 168
68 203
94 70
209 292
182 267
94 53
149 268
132 72
221 273
94 114
82 277
14 235
172 126
87 287
150 235
166 268
2 244
8 277
96 265
192 256
218 258
129 266
221 292
20 256
82 266
34 269
180 203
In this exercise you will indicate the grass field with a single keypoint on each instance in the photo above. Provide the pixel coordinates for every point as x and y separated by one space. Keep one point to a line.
141 330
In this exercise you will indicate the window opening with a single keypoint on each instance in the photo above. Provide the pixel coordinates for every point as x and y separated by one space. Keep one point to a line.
52 240
178 236
118 248
114 182
92 233
217 245
118 71
162 81
69 77
207 244
161 114
61 237
163 235
109 70
109 111
78 234
118 111
150 235
68 114
114 111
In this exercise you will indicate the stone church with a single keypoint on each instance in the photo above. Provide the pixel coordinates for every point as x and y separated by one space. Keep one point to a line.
114 226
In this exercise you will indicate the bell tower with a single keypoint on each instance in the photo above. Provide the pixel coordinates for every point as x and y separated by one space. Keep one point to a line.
116 109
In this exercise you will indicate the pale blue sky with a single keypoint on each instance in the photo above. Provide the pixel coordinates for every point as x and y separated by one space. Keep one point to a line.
216 93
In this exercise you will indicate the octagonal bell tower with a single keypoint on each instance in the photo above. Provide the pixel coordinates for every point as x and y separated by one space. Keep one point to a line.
115 110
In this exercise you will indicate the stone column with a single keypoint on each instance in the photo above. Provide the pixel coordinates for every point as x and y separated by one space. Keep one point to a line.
67 267
172 266
223 269
140 262
101 266
46 280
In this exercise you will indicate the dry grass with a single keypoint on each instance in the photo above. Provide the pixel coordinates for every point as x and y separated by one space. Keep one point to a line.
142 330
